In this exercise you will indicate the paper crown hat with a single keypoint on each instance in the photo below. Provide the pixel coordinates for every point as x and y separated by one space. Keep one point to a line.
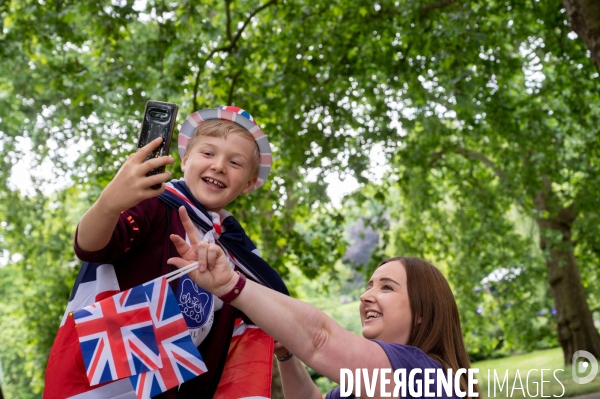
242 118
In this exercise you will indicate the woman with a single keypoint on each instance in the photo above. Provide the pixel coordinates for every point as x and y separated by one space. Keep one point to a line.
408 312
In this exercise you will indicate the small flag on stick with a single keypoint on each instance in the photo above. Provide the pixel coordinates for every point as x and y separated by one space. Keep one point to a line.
180 358
117 337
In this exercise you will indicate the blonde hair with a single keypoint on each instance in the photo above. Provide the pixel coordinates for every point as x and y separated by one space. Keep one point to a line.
221 128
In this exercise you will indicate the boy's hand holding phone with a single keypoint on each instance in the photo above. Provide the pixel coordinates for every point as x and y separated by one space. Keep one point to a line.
131 185
140 177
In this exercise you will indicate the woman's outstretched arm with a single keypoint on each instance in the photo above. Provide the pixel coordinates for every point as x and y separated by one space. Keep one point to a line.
311 335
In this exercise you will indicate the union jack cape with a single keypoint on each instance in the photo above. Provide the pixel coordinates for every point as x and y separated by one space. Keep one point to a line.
66 373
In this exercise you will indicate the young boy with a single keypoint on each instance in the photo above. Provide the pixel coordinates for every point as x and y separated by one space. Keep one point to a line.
224 154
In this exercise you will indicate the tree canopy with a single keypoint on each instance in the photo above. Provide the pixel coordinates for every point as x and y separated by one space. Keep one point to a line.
487 114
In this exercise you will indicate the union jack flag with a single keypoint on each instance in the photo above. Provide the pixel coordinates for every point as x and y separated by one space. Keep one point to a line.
117 337
180 358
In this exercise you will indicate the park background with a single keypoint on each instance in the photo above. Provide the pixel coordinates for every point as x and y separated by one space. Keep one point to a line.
463 132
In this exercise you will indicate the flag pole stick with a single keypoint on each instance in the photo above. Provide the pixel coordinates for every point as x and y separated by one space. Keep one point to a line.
183 270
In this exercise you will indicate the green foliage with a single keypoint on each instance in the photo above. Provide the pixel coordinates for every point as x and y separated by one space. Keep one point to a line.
35 284
478 106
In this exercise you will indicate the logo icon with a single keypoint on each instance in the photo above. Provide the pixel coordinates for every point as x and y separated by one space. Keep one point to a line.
195 303
589 364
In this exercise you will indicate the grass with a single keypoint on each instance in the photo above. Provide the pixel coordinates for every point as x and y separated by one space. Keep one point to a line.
547 359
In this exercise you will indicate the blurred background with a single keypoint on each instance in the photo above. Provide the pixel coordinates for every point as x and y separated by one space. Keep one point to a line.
463 132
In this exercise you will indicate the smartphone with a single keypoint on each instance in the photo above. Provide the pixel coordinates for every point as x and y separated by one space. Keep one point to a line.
159 121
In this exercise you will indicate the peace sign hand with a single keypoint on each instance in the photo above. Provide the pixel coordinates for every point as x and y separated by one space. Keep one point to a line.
214 273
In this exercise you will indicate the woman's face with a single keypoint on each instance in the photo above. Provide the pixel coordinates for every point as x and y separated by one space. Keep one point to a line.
385 308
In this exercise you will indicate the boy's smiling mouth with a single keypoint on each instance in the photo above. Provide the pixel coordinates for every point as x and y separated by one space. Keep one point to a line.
213 183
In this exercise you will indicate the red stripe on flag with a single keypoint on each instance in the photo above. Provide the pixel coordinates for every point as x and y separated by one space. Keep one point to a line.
161 299
96 358
140 353
142 381
187 363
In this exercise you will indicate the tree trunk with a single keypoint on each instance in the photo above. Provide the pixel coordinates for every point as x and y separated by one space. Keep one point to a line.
584 16
576 330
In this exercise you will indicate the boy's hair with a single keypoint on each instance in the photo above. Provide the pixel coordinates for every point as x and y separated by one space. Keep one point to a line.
221 128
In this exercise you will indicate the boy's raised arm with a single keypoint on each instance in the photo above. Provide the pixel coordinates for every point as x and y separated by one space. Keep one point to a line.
129 187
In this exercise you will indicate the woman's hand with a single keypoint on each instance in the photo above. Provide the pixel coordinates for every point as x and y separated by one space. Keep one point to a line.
280 350
214 273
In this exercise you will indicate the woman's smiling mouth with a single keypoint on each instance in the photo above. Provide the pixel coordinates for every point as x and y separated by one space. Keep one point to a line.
372 315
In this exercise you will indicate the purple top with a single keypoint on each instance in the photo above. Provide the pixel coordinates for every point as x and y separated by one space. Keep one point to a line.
402 357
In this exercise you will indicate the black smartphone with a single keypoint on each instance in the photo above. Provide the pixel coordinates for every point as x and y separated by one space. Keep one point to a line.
159 121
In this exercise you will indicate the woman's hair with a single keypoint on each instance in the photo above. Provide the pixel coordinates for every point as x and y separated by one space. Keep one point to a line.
221 128
436 324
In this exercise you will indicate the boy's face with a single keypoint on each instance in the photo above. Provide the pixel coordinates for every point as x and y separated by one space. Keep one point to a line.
218 169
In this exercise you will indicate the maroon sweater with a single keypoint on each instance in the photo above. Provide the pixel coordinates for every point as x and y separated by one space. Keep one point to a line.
140 244
139 249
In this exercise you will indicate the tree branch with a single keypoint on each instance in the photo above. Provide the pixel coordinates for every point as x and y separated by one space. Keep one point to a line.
200 68
247 21
426 9
470 154
434 157
159 45
423 11
475 155
229 47
228 15
232 87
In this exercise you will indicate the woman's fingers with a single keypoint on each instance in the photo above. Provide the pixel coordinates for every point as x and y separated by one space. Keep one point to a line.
278 345
181 246
214 252
178 262
188 225
202 251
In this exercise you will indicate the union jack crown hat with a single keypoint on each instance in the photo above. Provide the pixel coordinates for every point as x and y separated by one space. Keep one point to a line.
242 118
